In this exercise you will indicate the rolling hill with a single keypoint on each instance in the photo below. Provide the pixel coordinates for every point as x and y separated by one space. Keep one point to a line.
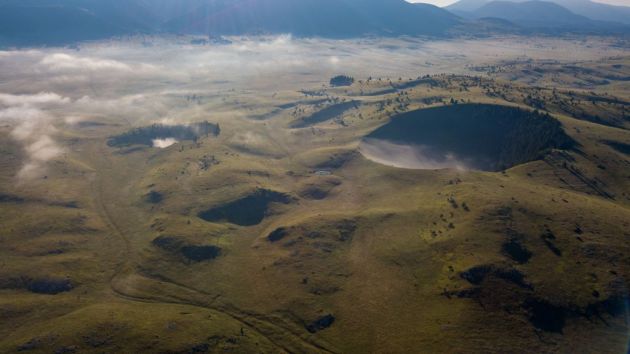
482 222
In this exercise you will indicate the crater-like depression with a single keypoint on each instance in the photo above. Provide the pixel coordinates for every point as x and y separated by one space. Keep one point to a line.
482 137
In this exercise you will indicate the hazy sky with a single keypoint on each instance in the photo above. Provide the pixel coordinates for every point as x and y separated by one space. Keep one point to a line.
436 2
448 2
615 2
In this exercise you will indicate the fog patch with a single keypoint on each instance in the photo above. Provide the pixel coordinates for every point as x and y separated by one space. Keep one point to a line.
38 99
419 157
34 119
62 61
73 120
164 143
249 139
251 62
33 128
147 80
250 142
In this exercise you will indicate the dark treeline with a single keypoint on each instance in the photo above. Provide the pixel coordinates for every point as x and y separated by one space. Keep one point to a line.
341 80
146 135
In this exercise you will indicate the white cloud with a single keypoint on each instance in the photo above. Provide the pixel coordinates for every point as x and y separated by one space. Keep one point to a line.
164 143
67 62
32 127
409 156
124 81
43 149
37 99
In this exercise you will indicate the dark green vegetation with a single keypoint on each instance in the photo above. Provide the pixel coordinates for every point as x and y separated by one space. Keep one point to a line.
485 137
146 135
341 80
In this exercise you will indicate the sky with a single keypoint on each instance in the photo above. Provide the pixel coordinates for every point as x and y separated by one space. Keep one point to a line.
448 2
437 2
615 2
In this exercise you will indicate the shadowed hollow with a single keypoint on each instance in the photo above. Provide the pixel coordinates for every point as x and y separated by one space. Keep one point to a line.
467 136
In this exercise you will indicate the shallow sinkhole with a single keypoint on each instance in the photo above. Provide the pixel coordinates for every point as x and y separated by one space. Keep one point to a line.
246 211
465 136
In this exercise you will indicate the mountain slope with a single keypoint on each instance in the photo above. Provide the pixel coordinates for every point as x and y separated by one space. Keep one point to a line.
539 16
586 8
54 22
531 14
36 22
52 25
315 18
597 11
466 5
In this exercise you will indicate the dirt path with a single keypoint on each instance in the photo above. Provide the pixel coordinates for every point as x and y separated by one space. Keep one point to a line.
283 338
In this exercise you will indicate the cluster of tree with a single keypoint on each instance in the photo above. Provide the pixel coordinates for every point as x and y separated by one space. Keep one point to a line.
146 135
341 80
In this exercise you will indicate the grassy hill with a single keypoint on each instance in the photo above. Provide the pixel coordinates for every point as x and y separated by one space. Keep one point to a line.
296 242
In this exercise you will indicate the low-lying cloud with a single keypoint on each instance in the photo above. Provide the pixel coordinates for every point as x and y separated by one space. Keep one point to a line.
32 127
62 61
164 143
151 80
419 157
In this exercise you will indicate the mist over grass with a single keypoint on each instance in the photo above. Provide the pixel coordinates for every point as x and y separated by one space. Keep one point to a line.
142 81
419 157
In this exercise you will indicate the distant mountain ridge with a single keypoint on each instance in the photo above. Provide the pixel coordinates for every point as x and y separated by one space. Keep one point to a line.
330 18
531 13
54 21
537 15
587 8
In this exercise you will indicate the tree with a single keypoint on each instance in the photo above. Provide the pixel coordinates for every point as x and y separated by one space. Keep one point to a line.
341 80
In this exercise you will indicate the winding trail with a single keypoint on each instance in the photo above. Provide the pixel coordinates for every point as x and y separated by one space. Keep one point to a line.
283 338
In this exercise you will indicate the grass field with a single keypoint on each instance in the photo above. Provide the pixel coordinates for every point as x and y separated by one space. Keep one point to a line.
312 247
